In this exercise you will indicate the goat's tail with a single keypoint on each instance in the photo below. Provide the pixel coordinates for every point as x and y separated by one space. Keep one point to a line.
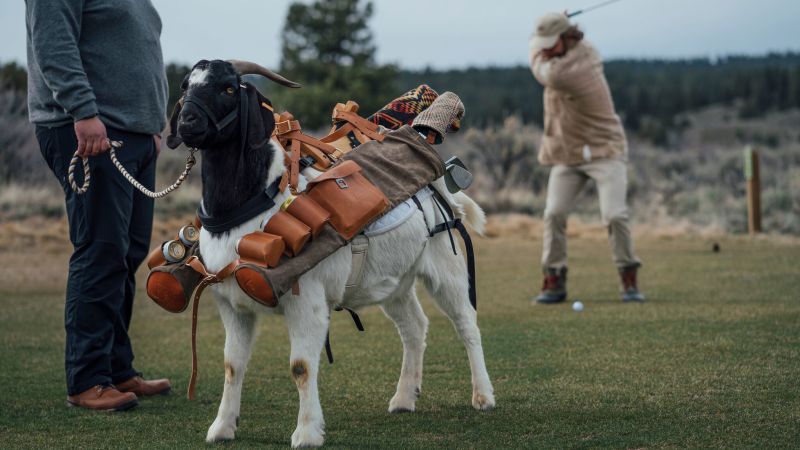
472 214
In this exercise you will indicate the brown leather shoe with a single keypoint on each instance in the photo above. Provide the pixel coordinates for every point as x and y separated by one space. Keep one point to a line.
145 388
103 398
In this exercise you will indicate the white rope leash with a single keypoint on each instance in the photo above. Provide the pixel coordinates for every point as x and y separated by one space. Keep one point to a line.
87 177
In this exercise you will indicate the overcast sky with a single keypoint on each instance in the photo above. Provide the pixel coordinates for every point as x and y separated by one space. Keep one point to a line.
456 34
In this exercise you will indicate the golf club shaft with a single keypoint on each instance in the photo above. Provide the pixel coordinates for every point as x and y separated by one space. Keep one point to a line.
590 8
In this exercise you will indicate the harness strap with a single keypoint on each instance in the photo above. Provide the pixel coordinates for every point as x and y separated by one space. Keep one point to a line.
218 124
356 321
294 166
473 294
358 247
424 217
328 350
208 280
456 223
447 224
195 305
360 124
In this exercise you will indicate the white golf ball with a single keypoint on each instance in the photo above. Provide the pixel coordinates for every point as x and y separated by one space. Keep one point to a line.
577 306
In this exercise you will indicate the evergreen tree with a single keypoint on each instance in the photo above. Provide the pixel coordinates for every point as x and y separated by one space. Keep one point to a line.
327 47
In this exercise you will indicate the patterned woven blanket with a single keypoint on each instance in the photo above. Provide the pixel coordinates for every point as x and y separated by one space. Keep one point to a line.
402 110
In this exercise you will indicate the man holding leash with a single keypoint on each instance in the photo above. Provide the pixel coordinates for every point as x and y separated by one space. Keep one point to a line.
95 72
583 139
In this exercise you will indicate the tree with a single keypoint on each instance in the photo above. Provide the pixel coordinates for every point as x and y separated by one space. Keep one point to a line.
13 77
327 47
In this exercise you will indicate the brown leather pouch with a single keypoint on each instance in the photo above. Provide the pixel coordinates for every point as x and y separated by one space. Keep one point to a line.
171 286
155 258
295 233
308 212
261 248
350 198
252 281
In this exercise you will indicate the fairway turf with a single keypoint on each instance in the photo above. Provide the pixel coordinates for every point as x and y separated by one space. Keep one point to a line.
711 360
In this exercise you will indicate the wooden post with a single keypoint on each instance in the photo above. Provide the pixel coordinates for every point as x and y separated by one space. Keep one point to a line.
753 177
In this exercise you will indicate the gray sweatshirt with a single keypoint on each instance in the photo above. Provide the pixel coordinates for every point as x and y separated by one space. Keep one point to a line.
88 57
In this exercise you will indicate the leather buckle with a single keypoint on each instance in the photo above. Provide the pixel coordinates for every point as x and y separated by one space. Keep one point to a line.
286 126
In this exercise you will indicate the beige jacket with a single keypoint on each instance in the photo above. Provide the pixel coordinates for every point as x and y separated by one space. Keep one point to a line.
580 124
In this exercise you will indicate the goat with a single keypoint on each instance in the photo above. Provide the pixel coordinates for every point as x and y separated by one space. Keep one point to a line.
237 164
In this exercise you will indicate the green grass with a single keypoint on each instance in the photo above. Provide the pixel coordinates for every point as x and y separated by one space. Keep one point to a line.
711 360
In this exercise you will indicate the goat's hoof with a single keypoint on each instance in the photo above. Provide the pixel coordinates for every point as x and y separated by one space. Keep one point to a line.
308 436
482 402
401 403
220 431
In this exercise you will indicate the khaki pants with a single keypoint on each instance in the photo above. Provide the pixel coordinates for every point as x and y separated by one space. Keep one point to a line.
563 187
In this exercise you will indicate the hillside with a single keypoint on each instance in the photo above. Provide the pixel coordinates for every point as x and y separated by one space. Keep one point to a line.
687 122
649 94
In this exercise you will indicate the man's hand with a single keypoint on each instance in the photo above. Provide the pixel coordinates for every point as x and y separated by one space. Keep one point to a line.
157 139
92 139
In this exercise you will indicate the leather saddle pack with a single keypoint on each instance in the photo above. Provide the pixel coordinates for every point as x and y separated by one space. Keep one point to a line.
368 167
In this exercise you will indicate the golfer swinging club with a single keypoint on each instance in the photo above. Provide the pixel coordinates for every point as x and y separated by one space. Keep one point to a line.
583 139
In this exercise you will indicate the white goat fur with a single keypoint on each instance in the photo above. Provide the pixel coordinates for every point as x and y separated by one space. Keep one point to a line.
394 261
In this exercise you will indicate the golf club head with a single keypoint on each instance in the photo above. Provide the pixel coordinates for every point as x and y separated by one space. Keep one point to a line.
457 177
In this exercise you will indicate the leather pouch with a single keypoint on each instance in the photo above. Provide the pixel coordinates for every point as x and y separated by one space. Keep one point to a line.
156 258
261 248
251 280
349 197
171 286
309 212
295 233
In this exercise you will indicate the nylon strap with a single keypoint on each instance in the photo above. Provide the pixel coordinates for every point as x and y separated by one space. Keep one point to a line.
456 223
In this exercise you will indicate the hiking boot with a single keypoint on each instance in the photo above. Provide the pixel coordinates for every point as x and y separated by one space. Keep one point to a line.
630 292
145 388
103 398
443 116
554 286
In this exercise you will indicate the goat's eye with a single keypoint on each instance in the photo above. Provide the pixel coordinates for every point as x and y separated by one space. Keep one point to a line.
230 90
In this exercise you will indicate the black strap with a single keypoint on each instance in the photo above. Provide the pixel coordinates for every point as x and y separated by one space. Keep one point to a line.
462 230
328 350
356 319
353 315
218 124
447 224
419 207
473 294
249 209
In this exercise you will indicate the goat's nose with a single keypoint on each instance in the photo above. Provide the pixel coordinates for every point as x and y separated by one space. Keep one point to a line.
189 118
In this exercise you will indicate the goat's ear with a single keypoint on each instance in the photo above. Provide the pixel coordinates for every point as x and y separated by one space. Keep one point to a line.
173 140
261 121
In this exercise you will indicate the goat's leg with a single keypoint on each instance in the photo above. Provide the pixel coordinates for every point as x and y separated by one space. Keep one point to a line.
240 333
406 313
307 318
447 281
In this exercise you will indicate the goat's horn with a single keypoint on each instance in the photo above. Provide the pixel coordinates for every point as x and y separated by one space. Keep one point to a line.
247 68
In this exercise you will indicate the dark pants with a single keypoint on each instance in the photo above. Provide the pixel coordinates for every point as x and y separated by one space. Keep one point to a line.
109 227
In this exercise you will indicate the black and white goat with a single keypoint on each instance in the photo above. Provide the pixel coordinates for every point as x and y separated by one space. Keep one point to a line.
237 165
